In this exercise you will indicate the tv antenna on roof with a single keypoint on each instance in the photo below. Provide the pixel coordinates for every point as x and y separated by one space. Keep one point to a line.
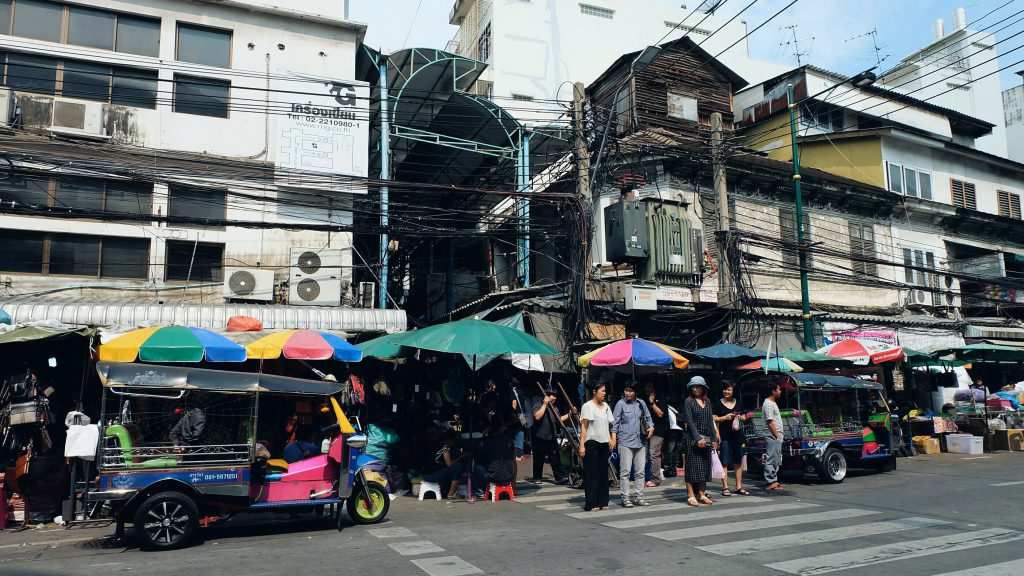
795 43
873 33
709 6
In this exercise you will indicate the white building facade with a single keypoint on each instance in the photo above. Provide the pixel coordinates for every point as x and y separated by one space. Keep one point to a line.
155 144
1013 112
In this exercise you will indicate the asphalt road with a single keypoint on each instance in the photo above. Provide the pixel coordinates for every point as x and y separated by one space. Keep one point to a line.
936 515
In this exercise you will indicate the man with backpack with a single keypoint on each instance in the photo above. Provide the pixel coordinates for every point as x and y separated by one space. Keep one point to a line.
634 426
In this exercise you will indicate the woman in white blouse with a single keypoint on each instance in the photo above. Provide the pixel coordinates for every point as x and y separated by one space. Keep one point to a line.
597 440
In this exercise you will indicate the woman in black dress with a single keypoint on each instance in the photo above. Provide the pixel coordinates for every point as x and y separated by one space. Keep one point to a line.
703 439
730 418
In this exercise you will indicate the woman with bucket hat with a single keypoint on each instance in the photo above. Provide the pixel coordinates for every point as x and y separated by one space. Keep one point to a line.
703 439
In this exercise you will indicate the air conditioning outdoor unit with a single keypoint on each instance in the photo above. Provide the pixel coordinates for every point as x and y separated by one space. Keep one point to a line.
918 298
5 106
315 277
78 118
248 284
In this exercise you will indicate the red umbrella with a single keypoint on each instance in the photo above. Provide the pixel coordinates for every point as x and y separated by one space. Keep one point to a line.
863 352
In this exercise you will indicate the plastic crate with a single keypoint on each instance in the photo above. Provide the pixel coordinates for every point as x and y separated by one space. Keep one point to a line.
964 444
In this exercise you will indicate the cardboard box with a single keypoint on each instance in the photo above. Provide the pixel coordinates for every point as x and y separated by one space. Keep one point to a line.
1008 440
926 445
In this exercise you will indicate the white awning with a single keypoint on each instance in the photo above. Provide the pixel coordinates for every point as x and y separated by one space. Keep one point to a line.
120 315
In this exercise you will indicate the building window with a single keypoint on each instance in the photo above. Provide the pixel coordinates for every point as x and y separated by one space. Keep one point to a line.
24 191
522 97
73 255
1009 204
201 96
920 270
682 106
21 251
83 26
198 206
909 181
483 44
862 247
124 258
597 11
126 86
132 87
194 262
32 73
787 224
202 45
108 200
87 81
38 20
824 117
964 195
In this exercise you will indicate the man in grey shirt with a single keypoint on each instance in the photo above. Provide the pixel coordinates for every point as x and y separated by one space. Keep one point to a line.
773 442
633 426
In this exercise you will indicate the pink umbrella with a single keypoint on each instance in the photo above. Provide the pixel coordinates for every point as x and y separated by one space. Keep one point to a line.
863 352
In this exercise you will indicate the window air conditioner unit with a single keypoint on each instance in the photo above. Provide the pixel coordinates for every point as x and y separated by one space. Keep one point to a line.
315 277
248 284
918 298
78 118
5 107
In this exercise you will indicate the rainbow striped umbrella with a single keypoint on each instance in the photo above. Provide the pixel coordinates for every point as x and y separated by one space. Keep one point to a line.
303 345
632 353
171 344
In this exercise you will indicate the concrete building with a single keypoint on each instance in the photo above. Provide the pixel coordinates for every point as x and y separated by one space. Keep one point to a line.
154 144
1013 112
954 234
536 49
957 70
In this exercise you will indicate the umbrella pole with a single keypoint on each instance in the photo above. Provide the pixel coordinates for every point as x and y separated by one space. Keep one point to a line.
469 478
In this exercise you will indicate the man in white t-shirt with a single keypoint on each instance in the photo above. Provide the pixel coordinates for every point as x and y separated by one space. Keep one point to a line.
773 442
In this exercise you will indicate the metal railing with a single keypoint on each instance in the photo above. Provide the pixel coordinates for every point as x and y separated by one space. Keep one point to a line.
169 456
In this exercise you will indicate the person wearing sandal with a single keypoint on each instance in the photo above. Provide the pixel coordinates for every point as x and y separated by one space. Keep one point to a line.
730 420
703 439
597 439
773 442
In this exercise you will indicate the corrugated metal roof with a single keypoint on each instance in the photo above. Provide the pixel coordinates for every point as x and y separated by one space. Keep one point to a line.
127 314
902 319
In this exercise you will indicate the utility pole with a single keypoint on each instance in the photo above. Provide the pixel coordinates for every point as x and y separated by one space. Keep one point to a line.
385 174
725 291
798 199
580 141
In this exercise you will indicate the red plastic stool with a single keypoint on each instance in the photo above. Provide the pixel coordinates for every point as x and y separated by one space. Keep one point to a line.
496 492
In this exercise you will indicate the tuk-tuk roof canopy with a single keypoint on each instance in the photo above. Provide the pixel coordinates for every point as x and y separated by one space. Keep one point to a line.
151 376
809 380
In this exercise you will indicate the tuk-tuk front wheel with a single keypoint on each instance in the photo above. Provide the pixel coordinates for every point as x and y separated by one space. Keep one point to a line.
166 520
363 510
832 467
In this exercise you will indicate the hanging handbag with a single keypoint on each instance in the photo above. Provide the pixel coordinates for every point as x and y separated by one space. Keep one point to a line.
24 413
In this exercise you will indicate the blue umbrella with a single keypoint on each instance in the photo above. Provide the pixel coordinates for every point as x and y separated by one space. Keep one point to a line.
728 352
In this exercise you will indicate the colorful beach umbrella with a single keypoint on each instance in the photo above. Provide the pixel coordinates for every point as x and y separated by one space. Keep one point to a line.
171 344
863 352
776 364
632 353
303 345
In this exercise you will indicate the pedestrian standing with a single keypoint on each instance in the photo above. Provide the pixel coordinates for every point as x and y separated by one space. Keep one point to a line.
703 439
520 411
773 442
597 439
659 414
633 427
545 438
730 420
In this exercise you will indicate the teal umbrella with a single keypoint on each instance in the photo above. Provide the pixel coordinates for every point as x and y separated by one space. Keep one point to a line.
474 337
807 358
387 346
983 352
5 318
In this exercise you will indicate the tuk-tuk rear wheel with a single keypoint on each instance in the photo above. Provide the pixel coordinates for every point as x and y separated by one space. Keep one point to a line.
166 520
832 467
372 511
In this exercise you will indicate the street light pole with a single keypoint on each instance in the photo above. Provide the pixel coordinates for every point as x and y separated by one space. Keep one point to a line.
861 80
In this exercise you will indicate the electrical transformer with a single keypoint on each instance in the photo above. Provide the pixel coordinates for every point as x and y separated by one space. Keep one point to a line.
625 231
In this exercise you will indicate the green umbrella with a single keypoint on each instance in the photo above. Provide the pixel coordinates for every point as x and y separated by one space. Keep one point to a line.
805 358
473 337
916 355
387 346
984 352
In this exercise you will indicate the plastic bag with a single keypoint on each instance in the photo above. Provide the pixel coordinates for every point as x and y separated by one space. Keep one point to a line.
81 442
244 324
743 466
717 472
379 441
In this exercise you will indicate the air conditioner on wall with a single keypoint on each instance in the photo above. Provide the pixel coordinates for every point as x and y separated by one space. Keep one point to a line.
248 284
917 298
315 277
5 106
78 118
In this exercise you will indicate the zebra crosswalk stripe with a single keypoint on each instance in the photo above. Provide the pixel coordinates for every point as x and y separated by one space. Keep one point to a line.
819 536
1011 568
659 508
705 514
862 557
762 524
